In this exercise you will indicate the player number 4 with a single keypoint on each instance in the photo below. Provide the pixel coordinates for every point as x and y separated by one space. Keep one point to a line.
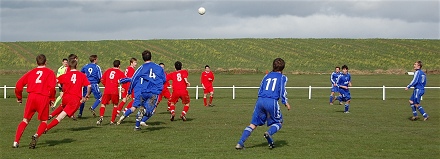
152 75
73 78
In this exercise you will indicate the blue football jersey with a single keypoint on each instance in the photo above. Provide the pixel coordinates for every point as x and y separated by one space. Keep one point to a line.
93 73
344 79
148 78
334 77
273 86
419 80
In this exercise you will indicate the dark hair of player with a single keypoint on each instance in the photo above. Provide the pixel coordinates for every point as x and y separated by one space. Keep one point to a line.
73 63
146 55
72 56
64 59
178 65
132 60
337 67
420 63
41 60
161 64
116 63
345 67
207 66
93 58
278 65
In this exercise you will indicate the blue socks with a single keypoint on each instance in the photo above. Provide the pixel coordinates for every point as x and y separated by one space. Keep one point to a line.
422 111
274 128
96 104
331 98
414 111
246 133
81 108
347 106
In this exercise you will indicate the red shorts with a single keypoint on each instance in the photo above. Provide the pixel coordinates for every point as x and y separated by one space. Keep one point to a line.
37 103
124 94
208 90
107 97
70 103
182 94
165 93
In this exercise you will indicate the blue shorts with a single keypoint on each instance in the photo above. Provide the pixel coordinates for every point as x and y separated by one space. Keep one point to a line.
416 96
335 89
146 100
94 89
266 110
345 95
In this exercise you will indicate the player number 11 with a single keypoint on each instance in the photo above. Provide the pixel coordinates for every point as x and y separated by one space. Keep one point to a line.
273 84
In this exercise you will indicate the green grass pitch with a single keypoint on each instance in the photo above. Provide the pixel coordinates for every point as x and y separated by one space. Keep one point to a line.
312 129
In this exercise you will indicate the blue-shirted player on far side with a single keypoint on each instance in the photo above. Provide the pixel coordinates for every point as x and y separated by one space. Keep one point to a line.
418 82
267 109
344 81
333 79
147 83
94 75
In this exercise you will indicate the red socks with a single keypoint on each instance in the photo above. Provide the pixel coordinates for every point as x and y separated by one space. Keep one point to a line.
204 102
185 110
210 99
52 124
121 105
20 130
114 112
101 111
57 111
41 128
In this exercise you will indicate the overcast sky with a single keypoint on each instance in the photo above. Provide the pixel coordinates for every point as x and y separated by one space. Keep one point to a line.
66 20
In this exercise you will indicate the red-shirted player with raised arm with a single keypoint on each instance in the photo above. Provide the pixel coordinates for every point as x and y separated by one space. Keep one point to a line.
128 73
179 84
207 78
73 83
41 82
110 79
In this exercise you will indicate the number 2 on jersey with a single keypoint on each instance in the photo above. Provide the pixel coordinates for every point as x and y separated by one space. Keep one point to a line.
40 73
273 84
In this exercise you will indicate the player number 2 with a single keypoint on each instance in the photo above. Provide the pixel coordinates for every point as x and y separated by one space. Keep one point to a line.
39 73
112 75
273 84
73 78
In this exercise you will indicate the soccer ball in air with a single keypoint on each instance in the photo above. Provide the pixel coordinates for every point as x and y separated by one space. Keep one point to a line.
201 10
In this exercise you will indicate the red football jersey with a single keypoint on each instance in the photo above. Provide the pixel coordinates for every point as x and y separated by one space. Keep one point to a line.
110 80
128 73
207 78
178 78
73 82
40 80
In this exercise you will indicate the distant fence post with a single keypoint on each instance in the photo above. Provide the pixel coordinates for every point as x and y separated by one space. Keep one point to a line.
310 92
120 94
233 91
197 91
383 92
4 92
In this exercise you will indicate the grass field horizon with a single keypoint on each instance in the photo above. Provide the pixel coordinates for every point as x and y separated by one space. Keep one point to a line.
312 129
236 56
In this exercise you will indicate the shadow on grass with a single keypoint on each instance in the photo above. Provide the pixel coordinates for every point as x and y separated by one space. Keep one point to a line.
57 142
164 112
155 123
278 143
83 128
153 129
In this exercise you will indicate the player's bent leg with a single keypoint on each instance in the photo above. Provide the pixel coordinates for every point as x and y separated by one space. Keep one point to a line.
20 129
244 136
